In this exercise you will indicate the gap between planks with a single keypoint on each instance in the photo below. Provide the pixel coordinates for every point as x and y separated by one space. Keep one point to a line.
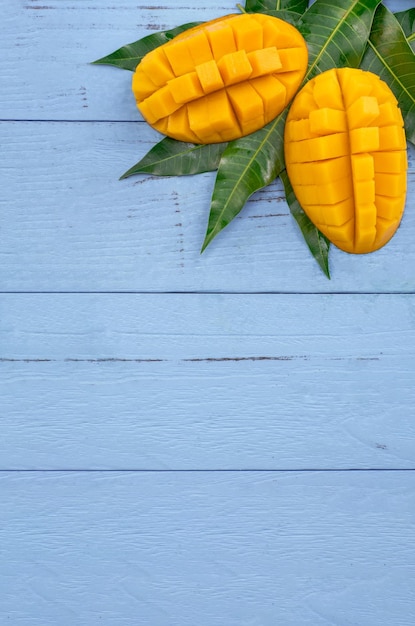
209 471
216 292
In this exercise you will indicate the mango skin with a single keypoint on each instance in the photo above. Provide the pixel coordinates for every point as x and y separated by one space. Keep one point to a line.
345 155
221 80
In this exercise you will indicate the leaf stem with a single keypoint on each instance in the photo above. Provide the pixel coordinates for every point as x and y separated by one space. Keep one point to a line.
241 8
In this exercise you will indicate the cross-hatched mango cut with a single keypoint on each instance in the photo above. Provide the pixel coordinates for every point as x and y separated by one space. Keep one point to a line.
345 154
221 80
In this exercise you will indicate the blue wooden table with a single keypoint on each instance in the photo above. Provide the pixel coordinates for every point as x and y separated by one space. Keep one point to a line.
186 440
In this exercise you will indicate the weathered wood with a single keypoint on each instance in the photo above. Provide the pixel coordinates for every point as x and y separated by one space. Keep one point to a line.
207 382
69 224
163 381
208 548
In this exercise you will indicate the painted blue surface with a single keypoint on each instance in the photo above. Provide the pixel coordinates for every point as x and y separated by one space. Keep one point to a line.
207 548
215 440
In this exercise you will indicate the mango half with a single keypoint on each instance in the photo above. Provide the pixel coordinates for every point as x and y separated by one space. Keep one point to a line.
221 80
345 154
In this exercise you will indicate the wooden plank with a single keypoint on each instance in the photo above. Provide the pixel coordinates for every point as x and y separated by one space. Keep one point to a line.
207 549
206 326
130 381
47 48
68 224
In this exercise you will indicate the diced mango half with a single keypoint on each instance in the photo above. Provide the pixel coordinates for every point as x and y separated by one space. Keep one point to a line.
255 61
345 154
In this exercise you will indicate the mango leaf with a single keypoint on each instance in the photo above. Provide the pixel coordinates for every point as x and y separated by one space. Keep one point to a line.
247 164
336 36
288 16
407 21
390 56
177 158
265 6
319 245
130 55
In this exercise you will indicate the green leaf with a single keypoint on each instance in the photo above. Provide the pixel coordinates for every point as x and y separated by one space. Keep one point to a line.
247 164
250 163
288 16
267 6
129 56
336 35
318 244
407 21
177 158
390 56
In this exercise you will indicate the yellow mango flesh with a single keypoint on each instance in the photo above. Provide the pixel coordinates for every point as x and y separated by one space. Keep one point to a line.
345 154
221 80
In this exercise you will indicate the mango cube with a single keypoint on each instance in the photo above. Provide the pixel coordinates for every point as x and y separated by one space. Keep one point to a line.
325 121
273 94
221 39
363 167
264 61
179 58
199 48
248 34
185 88
235 67
362 112
209 76
245 101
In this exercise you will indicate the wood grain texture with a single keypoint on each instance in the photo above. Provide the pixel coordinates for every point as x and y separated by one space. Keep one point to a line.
207 382
68 224
209 393
209 549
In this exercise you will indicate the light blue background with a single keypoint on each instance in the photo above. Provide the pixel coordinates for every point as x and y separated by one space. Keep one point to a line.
186 440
